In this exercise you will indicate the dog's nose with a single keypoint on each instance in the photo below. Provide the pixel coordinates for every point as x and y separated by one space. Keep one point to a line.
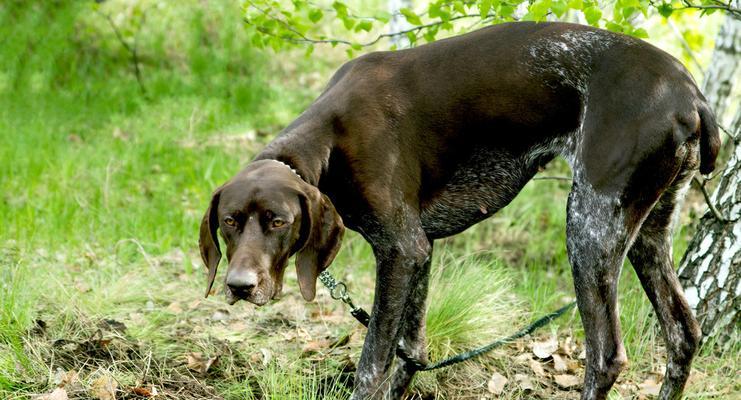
241 283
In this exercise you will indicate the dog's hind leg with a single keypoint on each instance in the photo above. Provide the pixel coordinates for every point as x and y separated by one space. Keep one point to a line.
651 256
597 239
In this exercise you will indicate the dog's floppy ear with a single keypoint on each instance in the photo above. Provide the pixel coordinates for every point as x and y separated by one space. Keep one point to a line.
323 229
209 242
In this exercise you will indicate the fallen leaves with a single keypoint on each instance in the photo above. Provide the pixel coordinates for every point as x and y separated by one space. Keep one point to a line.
567 381
550 365
559 365
56 394
546 348
199 363
537 368
145 392
525 383
496 383
104 388
649 387
66 379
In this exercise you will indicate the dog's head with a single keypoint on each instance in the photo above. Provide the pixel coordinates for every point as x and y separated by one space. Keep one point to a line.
266 214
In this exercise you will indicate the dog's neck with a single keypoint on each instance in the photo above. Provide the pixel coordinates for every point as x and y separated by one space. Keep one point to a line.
304 147
289 167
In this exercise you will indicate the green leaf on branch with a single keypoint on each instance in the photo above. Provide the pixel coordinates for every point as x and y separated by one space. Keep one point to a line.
382 16
665 10
538 10
430 35
412 38
340 8
484 8
612 26
592 15
410 16
640 33
459 7
364 26
576 4
348 22
559 7
315 15
627 12
506 10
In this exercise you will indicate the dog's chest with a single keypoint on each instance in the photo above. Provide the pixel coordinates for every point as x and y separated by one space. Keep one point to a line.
480 186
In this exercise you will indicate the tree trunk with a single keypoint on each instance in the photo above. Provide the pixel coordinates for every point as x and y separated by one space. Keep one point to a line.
710 269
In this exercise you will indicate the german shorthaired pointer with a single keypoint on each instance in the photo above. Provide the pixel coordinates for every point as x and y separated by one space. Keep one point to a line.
410 146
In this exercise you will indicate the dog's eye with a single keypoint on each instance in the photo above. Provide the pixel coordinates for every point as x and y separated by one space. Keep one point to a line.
230 221
277 223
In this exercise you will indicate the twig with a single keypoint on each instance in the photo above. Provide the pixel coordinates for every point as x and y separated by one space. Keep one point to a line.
132 50
552 178
686 46
732 11
714 211
728 132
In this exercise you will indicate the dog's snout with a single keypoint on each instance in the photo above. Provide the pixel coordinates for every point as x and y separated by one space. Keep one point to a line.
241 282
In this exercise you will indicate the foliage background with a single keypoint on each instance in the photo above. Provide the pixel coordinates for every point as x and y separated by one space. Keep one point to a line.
104 178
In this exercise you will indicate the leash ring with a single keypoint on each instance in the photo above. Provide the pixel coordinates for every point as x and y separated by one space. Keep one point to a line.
339 292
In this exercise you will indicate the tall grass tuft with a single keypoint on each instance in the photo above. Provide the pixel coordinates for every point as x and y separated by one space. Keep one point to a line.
471 303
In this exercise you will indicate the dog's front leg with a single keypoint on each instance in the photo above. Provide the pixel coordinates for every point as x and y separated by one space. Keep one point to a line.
412 334
398 258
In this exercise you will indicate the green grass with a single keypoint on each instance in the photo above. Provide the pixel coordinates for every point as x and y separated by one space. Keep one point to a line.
102 190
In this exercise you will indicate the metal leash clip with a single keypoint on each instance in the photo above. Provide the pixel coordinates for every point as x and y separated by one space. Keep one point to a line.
337 289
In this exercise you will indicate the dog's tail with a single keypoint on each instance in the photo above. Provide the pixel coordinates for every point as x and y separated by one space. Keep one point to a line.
709 139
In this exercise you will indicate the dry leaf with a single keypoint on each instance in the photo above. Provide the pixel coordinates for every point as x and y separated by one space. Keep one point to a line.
220 315
567 346
104 388
64 378
81 286
57 394
649 387
546 348
659 371
496 383
144 392
559 364
525 382
266 356
197 362
583 353
175 308
566 381
537 368
573 365
315 345
194 304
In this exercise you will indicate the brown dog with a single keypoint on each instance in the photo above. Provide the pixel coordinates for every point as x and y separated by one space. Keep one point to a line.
420 144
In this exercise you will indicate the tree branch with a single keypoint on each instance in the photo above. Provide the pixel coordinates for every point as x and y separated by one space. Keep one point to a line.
302 38
714 211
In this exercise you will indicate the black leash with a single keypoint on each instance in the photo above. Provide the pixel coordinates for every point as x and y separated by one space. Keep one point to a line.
338 291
